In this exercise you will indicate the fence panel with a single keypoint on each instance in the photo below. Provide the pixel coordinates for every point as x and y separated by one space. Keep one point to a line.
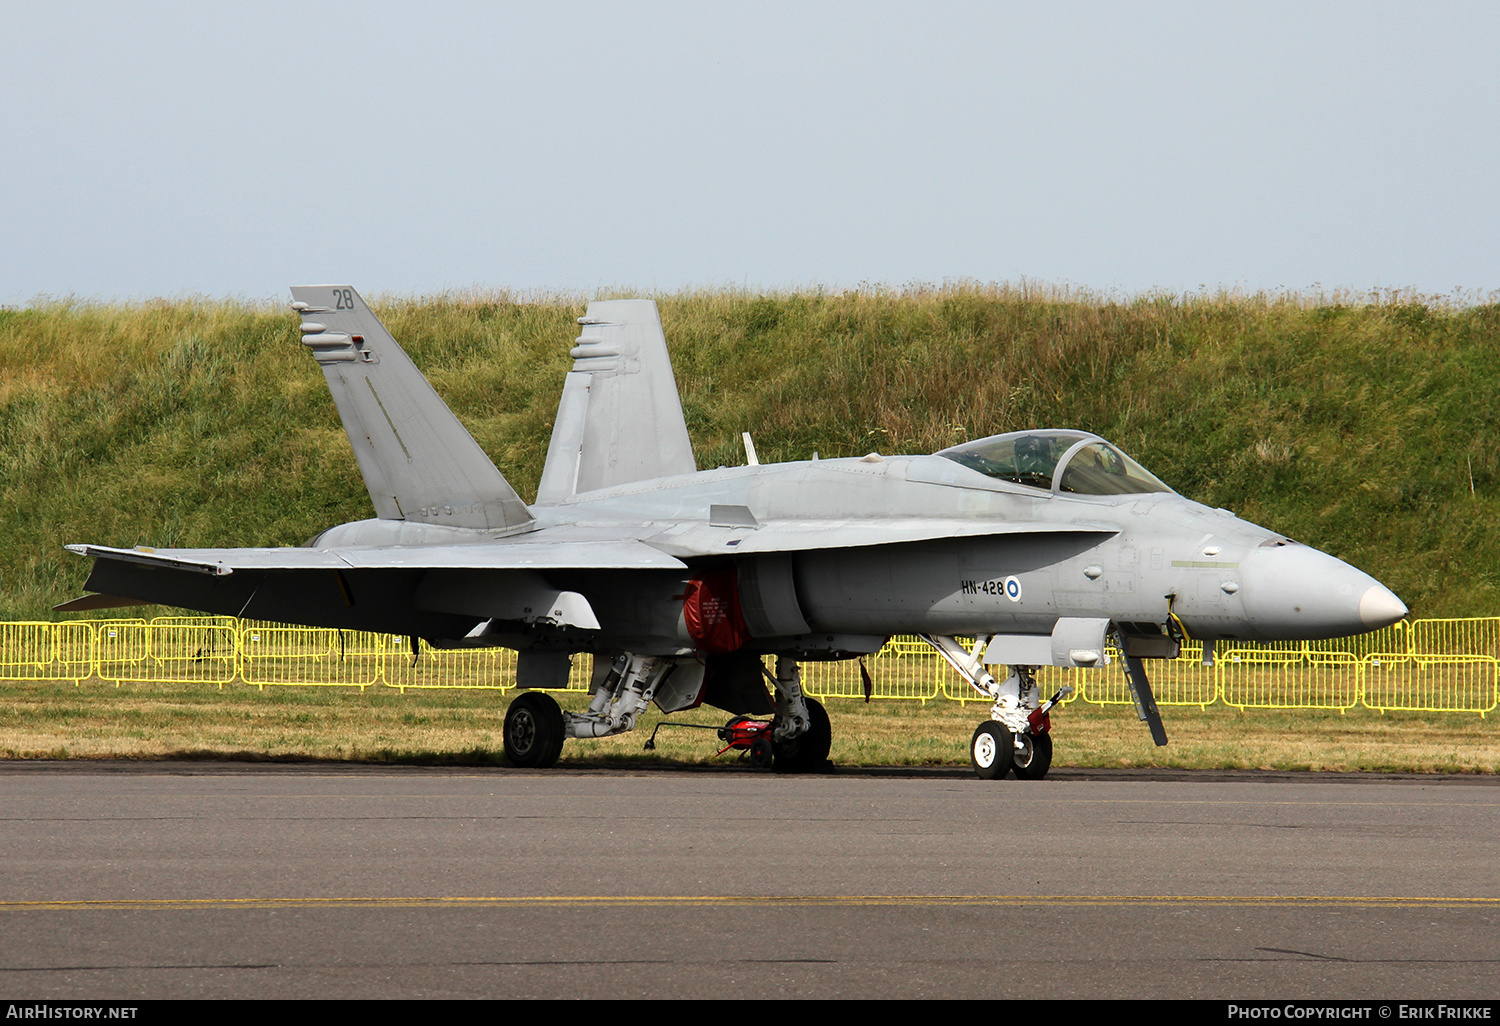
1475 636
1449 665
1174 682
480 668
309 656
1288 675
46 651
906 668
1082 679
488 669
142 653
832 679
1432 684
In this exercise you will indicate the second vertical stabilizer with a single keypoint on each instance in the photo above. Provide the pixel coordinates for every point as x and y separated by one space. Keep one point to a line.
620 419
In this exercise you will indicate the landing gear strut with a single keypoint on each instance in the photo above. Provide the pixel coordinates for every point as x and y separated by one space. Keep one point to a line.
621 697
535 726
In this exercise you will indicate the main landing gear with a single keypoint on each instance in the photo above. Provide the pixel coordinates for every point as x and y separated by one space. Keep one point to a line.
800 733
1015 739
806 752
797 740
535 726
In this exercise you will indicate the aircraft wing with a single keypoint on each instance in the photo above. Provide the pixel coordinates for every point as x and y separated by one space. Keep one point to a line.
370 587
750 536
496 555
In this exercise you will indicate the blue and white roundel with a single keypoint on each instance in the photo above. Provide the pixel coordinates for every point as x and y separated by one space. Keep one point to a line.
1013 588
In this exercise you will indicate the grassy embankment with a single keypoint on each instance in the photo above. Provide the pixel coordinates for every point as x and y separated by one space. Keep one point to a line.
1365 429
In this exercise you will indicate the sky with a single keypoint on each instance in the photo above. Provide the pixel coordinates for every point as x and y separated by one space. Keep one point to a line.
230 150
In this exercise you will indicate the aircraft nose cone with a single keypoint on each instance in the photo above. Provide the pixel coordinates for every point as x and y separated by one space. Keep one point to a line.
1379 607
1293 592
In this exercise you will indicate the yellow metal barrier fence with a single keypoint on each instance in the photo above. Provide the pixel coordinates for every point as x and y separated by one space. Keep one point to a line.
904 669
1288 675
1446 666
167 653
303 656
1174 682
39 651
466 667
1438 665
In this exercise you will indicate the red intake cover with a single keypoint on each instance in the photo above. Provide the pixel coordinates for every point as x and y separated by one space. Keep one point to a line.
711 608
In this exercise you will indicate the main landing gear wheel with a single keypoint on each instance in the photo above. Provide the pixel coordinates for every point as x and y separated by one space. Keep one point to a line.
533 730
991 750
1032 760
809 752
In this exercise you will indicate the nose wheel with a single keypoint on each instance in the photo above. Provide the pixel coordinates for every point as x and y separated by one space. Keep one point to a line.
996 751
1033 756
992 750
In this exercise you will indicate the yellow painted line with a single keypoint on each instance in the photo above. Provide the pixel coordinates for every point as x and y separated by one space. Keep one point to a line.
748 900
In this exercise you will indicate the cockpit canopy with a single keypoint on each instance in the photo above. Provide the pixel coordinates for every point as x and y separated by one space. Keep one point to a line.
1067 461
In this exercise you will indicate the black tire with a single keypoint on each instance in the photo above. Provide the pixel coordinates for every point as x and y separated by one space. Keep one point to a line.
808 753
533 731
1034 758
991 750
762 753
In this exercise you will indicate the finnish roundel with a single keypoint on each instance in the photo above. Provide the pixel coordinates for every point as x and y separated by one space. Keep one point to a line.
1013 588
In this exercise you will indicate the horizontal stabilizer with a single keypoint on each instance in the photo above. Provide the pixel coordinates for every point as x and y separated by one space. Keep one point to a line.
86 602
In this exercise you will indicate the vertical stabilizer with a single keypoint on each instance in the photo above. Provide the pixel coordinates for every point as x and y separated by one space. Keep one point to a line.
418 461
620 419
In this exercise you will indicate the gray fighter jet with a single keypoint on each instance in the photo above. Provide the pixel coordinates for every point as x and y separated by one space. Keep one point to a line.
1044 546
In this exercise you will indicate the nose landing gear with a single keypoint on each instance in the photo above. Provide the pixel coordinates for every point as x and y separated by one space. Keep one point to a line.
995 750
1015 738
